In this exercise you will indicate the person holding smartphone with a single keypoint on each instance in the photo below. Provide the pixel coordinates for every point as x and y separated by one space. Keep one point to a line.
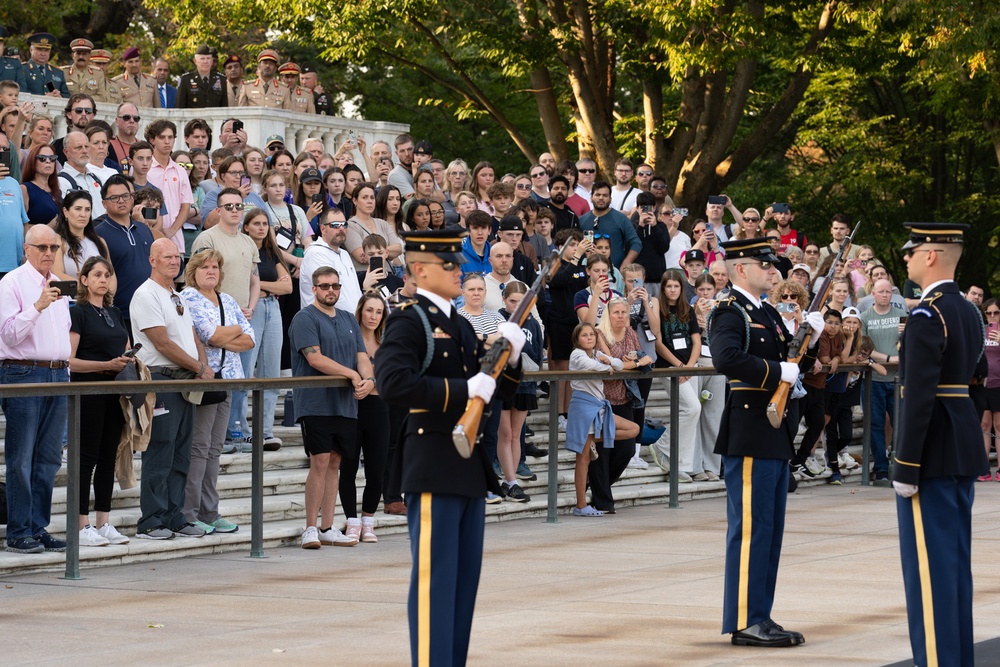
379 277
98 342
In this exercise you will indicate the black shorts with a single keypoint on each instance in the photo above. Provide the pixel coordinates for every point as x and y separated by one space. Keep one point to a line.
524 402
322 435
560 340
993 399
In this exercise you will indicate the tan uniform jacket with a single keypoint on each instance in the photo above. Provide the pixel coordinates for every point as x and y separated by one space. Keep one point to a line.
254 95
91 81
145 94
301 99
234 96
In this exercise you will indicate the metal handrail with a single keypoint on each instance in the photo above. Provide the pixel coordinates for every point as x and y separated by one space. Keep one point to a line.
73 390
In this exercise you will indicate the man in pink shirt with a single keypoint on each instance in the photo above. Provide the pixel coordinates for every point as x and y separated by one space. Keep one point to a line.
34 347
171 179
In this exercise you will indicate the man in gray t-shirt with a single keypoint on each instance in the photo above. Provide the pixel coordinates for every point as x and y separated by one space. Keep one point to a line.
882 324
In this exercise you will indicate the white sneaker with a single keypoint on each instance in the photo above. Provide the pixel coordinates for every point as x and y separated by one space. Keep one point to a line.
562 423
814 466
334 537
89 537
111 534
310 538
638 463
846 461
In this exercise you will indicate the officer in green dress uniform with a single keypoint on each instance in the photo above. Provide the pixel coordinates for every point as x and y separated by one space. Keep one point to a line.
939 450
321 99
749 344
429 362
41 78
10 67
204 87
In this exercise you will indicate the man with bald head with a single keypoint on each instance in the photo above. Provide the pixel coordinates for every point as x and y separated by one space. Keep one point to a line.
76 175
162 324
503 259
881 323
34 347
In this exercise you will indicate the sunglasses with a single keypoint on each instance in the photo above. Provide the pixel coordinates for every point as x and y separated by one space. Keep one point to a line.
187 165
587 171
658 186
107 317
128 118
334 225
458 173
791 297
991 313
119 198
644 173
276 147
539 175
812 252
233 207
602 236
82 111
447 266
44 248
177 304
749 219
325 287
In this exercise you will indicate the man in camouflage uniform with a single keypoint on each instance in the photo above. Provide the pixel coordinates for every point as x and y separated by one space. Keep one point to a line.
265 90
300 98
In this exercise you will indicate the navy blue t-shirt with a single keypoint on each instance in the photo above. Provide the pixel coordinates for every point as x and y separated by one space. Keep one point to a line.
338 338
128 249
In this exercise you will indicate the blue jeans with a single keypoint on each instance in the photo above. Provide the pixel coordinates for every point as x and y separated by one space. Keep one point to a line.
264 362
33 447
882 402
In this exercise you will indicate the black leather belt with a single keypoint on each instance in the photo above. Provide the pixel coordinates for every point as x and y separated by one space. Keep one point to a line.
172 373
35 363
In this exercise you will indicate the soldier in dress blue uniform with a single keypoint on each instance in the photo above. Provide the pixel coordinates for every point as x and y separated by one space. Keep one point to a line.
429 362
10 67
750 346
940 449
38 73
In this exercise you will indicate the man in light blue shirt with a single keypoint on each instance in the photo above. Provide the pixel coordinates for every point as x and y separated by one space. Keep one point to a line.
12 214
625 242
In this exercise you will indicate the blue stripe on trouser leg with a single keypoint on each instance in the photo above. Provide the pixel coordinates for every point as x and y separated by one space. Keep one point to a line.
935 536
445 575
756 495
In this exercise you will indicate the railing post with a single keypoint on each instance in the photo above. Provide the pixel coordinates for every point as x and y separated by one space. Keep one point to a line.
553 471
866 426
257 477
674 439
72 487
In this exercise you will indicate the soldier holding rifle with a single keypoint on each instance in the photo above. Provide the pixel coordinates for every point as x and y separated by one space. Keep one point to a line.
750 346
429 362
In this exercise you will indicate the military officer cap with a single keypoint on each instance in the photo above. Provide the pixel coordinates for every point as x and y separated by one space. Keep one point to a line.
308 69
3 33
445 244
289 68
100 56
758 248
130 52
203 50
81 45
233 58
42 40
212 51
268 54
934 232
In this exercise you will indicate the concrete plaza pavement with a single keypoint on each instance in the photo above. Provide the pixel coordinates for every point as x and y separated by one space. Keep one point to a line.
642 587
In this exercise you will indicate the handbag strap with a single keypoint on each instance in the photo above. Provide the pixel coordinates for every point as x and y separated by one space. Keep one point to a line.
222 323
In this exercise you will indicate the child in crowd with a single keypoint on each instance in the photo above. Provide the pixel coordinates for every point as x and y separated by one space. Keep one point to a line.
590 418
852 397
375 247
840 424
828 352
149 198
544 224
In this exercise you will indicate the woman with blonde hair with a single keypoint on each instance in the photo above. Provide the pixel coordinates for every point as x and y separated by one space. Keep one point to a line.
457 180
751 227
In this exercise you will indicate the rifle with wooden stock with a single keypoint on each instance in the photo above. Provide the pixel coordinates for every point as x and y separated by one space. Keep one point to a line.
466 431
800 342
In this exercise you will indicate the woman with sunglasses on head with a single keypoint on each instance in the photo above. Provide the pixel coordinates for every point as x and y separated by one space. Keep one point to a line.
98 341
275 282
40 185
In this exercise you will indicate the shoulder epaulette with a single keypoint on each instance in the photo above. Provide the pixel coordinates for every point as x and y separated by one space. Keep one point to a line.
934 297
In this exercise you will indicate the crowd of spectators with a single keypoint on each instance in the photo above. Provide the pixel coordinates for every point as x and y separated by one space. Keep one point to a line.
293 262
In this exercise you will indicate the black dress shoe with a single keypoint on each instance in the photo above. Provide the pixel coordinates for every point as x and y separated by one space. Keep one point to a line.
795 635
532 450
762 634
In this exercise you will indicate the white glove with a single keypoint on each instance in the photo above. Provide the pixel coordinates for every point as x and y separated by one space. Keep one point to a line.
904 490
514 336
789 372
482 386
816 322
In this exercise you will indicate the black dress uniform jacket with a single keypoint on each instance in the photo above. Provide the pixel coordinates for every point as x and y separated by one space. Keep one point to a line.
192 93
436 399
748 343
939 433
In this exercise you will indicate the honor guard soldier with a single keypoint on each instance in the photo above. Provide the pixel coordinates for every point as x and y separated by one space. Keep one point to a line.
299 98
41 78
204 87
10 67
265 90
136 87
310 80
749 345
429 362
939 451
233 67
82 77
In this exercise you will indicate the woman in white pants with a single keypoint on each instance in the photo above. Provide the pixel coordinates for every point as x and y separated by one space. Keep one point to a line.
711 388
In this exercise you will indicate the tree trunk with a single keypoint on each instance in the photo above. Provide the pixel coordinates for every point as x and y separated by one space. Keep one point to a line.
652 105
548 114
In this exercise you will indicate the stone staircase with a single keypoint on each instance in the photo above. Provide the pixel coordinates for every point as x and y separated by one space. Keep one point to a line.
284 501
